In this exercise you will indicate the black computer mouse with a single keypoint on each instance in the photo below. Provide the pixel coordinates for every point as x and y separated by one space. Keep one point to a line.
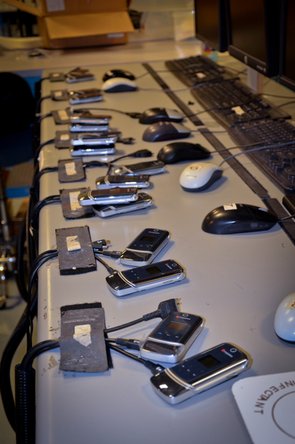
112 73
238 218
180 151
159 131
153 115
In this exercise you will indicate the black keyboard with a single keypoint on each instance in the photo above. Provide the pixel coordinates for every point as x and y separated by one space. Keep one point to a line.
277 160
249 119
197 70
232 103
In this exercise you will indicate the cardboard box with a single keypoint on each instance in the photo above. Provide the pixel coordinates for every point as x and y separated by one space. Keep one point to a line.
79 23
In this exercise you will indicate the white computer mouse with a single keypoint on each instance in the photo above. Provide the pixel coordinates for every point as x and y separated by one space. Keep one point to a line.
199 175
119 84
284 320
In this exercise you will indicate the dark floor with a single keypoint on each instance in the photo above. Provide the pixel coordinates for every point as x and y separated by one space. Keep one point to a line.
8 320
18 181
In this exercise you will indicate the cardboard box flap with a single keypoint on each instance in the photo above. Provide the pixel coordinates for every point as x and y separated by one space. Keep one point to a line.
61 7
83 25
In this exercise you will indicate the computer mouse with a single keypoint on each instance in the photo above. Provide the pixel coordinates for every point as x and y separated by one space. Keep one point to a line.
284 320
118 84
153 115
199 176
238 218
180 151
160 131
112 73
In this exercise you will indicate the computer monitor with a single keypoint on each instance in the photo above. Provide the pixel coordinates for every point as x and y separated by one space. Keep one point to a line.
211 23
287 59
255 34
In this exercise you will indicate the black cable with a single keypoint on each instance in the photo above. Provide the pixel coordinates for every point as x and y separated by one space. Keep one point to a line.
37 176
164 309
282 219
34 216
133 344
40 100
25 399
255 149
113 253
35 351
39 148
285 104
43 116
21 273
94 164
32 242
5 366
44 78
154 368
133 115
107 266
39 261
16 338
137 154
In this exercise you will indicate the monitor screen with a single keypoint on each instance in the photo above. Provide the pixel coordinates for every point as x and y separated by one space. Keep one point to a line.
287 62
211 23
255 34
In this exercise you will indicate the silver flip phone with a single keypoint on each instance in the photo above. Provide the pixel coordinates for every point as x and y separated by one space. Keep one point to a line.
114 196
150 167
123 283
82 150
85 96
86 128
172 337
145 247
124 181
143 201
200 372
90 139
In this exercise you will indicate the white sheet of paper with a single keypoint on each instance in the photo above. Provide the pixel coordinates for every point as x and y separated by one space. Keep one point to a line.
267 405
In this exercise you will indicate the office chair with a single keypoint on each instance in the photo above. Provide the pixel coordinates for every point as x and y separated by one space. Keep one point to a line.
17 117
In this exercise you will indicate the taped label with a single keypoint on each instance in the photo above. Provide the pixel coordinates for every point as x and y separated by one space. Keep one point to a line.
71 170
70 204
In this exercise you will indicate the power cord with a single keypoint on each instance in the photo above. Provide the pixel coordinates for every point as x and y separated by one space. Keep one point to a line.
25 403
164 309
23 327
37 208
154 368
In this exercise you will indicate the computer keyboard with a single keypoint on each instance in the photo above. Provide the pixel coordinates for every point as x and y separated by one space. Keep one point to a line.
231 103
250 120
197 70
277 160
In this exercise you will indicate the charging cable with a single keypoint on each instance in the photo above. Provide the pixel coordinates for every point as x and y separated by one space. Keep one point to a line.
164 309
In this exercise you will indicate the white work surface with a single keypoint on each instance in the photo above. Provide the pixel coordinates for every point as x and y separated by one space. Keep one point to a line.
235 282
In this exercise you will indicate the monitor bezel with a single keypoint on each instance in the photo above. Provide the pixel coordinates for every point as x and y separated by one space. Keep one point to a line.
223 34
282 77
271 65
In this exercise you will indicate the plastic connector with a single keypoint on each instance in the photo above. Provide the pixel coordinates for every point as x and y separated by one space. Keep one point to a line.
100 245
169 306
164 309
134 115
142 153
